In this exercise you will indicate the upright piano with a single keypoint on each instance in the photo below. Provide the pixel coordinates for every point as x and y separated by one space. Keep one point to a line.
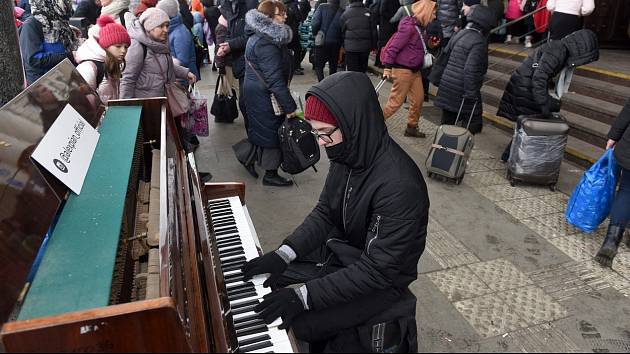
145 259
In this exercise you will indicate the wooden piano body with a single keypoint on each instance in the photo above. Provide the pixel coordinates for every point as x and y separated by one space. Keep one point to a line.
130 265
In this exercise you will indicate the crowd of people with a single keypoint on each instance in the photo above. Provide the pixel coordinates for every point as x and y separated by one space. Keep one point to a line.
356 253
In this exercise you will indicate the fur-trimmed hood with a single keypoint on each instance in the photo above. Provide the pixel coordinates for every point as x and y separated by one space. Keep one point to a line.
264 26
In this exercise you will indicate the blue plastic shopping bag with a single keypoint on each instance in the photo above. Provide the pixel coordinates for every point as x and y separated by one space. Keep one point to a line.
592 199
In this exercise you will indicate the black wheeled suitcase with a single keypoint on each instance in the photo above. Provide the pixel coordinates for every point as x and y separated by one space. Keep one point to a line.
451 150
538 149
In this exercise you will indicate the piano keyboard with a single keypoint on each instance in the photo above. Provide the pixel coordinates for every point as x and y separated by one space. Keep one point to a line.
236 244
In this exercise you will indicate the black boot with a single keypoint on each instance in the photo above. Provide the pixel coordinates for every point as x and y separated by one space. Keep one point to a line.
608 251
272 178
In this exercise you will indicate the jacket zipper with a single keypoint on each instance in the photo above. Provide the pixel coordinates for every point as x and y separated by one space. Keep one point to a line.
346 196
375 231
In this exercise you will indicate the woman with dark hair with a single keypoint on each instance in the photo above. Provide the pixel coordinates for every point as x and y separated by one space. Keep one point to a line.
102 57
267 72
46 38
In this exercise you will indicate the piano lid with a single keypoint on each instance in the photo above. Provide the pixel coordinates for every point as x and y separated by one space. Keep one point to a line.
29 195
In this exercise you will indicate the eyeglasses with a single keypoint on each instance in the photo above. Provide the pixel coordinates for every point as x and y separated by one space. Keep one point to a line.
326 137
283 14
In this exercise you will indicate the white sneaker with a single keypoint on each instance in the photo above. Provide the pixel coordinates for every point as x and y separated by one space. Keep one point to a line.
508 39
528 42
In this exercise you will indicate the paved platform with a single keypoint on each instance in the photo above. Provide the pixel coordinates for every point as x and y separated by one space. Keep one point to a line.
502 270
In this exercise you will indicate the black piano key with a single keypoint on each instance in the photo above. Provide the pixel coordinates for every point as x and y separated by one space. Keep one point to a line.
233 278
242 310
231 230
253 340
218 202
229 248
224 223
236 292
252 330
229 243
243 295
224 219
221 213
245 325
219 206
245 304
233 295
248 318
242 286
257 346
234 261
231 252
232 268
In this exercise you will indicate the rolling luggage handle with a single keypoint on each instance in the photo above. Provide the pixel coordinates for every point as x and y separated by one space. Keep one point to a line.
379 86
472 113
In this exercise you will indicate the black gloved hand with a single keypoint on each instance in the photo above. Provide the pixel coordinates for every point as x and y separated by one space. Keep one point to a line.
283 303
270 263
544 110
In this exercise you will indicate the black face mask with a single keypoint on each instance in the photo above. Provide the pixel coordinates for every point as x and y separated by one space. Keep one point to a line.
335 153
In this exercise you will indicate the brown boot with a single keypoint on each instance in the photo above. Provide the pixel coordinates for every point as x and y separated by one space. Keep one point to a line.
413 131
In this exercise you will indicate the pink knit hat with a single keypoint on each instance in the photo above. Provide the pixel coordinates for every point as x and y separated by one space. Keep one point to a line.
111 33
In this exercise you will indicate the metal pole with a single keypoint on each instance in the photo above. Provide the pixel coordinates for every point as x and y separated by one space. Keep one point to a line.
11 72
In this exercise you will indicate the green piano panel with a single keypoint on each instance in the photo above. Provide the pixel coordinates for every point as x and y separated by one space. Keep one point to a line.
77 268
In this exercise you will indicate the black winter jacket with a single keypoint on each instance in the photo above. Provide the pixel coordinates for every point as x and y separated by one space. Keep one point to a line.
384 10
89 10
327 18
234 12
268 54
358 29
528 89
467 65
620 132
448 15
374 208
294 17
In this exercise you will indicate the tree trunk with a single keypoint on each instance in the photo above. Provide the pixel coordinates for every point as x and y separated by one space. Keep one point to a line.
11 72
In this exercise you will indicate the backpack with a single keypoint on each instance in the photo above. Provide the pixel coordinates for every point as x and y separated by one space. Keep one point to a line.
299 146
100 72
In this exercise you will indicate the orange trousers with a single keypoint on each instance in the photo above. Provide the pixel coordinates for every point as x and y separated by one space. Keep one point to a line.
406 84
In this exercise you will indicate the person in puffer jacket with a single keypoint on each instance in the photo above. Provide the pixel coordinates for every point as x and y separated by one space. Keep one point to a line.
358 29
267 72
356 253
448 15
102 57
619 139
179 37
527 92
403 59
463 76
149 62
46 38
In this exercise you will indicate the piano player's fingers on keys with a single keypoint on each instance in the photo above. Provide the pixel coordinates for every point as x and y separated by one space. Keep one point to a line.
269 263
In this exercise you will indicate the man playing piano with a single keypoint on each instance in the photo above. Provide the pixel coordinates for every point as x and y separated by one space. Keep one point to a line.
353 257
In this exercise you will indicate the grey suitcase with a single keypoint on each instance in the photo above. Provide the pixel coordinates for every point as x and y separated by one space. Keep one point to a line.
538 149
451 150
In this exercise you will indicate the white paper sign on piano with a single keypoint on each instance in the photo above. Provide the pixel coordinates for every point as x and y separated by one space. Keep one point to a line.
67 148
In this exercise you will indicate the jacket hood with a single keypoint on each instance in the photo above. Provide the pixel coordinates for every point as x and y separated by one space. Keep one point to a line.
583 47
198 18
90 50
137 32
332 2
351 98
483 17
174 23
424 12
263 25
